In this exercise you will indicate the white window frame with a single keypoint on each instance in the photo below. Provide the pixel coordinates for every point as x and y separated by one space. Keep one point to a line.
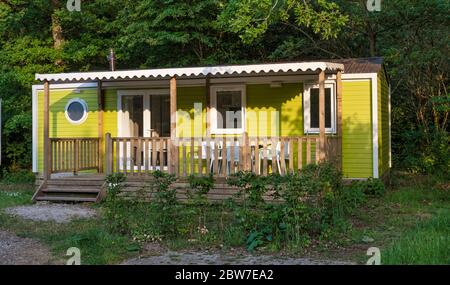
307 108
225 131
85 114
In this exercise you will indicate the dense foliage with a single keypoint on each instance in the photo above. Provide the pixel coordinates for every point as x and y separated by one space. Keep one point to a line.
279 212
42 36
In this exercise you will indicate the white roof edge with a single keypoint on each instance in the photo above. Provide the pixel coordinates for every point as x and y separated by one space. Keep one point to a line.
192 71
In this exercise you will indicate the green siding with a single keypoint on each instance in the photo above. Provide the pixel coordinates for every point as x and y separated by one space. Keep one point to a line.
110 113
383 124
59 126
262 102
186 98
356 129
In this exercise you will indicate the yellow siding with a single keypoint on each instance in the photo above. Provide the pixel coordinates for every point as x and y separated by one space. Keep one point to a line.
383 124
59 126
265 104
187 97
262 102
357 129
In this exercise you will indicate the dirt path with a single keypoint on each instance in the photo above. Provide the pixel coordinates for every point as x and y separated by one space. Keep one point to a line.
15 250
58 213
205 258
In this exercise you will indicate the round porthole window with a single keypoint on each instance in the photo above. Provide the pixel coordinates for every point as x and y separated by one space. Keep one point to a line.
76 111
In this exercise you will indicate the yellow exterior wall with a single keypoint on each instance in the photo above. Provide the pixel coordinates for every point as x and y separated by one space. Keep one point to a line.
60 127
262 101
265 104
383 124
357 129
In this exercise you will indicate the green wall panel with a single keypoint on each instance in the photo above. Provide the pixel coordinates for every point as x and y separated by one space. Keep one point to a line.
356 129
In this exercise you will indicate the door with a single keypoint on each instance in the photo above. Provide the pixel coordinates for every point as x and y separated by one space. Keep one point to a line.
132 109
142 113
160 115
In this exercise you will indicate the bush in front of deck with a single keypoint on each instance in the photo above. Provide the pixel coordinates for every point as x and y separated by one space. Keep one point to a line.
276 212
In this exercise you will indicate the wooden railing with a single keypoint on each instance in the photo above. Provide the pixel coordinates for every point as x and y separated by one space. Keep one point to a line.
137 156
74 154
203 156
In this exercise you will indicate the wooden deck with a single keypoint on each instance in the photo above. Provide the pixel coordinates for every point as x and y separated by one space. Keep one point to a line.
82 188
92 188
138 158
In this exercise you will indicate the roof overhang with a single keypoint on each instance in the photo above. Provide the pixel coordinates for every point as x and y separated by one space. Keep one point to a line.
193 72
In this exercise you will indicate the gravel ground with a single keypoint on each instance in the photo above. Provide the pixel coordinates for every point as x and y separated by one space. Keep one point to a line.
202 258
59 213
22 251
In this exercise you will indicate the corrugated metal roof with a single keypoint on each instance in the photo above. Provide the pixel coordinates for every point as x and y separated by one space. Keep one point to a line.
361 65
193 71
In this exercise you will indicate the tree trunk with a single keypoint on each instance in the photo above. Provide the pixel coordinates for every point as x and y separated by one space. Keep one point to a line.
57 32
372 40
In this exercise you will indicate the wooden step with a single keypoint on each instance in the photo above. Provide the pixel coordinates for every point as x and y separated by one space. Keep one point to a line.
71 189
65 199
74 183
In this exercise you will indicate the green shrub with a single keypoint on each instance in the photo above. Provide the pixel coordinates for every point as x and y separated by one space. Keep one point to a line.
352 197
116 208
199 187
424 151
164 194
114 184
251 187
307 203
18 177
371 187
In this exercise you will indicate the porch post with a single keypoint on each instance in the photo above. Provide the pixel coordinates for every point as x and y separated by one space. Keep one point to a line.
173 157
108 153
46 135
100 126
339 117
322 115
208 107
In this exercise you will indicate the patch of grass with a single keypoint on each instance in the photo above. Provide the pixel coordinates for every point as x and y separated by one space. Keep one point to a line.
13 195
97 244
392 221
428 243
409 224
18 177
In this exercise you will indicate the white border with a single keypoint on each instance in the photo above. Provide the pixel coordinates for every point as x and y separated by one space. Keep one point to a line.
147 116
307 112
35 89
374 82
85 111
214 90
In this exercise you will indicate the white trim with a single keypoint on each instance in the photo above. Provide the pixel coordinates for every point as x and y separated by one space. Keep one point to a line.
189 82
193 71
85 111
68 86
214 90
358 75
307 112
146 105
147 117
374 82
35 128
